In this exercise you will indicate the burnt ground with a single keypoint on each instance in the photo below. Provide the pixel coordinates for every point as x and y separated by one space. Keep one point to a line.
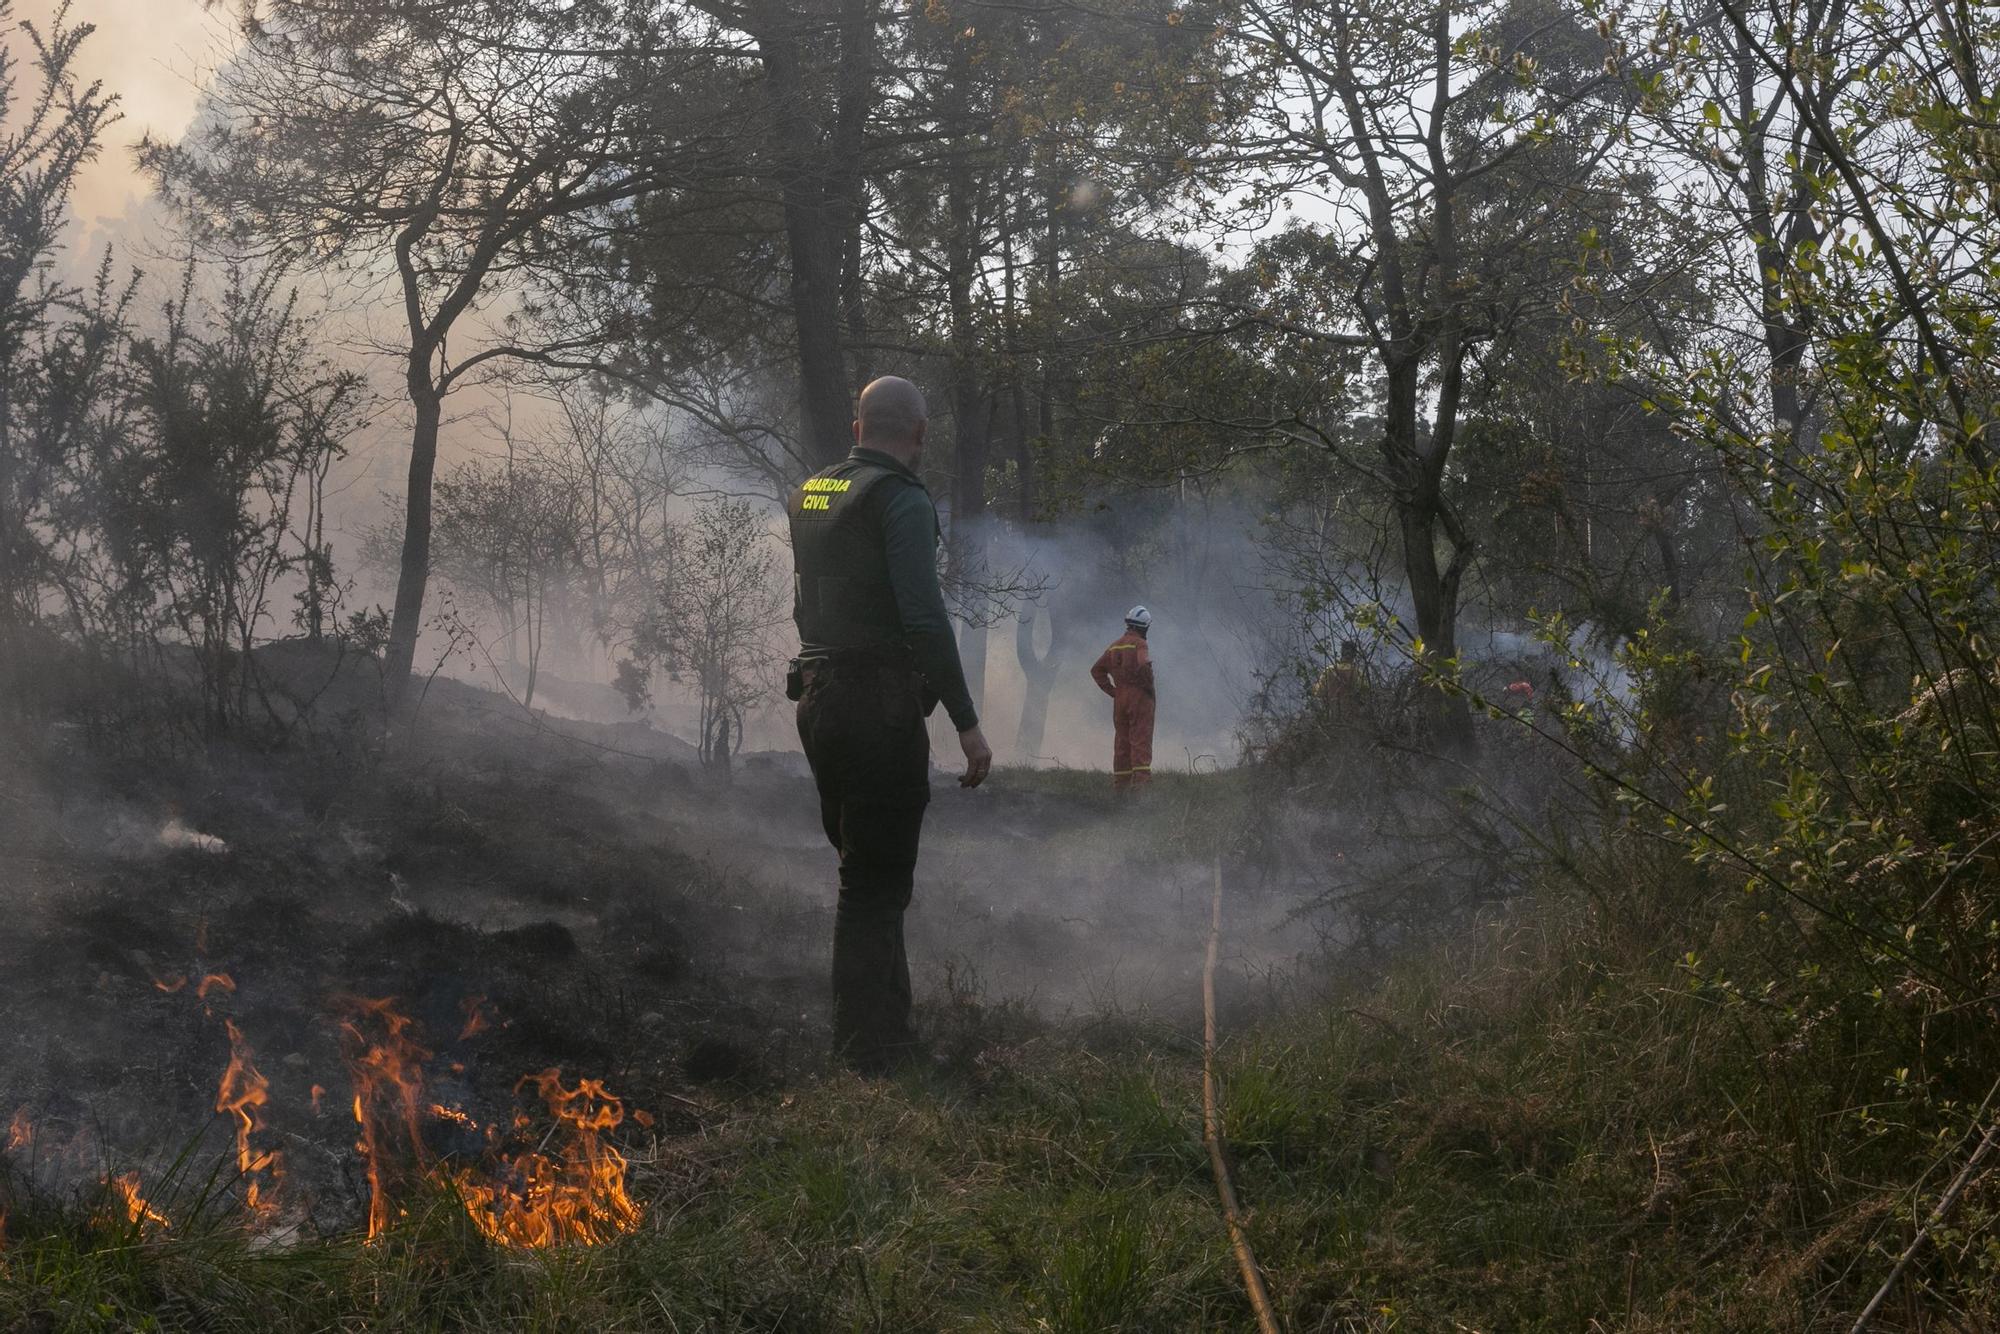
602 905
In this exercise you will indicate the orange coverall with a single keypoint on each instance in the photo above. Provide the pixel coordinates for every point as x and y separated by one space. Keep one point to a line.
1124 671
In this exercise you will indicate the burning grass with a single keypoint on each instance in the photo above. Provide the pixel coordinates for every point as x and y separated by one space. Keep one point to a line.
544 1177
573 1196
141 1215
567 1189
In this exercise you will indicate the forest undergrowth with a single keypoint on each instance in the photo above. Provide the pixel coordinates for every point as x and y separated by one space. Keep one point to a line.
1558 1115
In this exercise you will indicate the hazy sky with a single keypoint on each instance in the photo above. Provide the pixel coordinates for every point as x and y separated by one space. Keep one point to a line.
149 52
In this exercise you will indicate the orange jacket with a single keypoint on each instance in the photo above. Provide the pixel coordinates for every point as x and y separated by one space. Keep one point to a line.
1126 665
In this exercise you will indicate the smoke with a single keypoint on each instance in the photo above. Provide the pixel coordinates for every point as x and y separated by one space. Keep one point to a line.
158 83
174 834
1196 562
1194 565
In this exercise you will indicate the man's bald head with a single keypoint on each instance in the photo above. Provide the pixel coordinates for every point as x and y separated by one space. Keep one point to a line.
891 417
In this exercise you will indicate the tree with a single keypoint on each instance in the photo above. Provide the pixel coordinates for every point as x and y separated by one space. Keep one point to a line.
1755 170
452 145
511 533
1040 670
1443 145
231 412
737 298
623 469
59 345
820 126
711 625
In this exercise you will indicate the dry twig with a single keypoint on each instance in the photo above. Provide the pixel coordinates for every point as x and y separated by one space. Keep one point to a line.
1211 1129
1938 1212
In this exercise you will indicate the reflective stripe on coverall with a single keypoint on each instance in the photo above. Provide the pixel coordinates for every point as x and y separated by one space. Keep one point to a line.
1124 671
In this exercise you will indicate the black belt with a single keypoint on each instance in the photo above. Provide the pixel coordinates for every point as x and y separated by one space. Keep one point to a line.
811 662
887 655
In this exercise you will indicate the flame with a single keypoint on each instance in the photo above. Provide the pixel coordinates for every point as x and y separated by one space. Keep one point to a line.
20 1131
476 1020
317 1093
386 1064
576 1195
171 984
212 982
137 1211
454 1115
243 1094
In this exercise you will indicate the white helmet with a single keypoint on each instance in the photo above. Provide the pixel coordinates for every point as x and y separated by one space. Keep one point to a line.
1139 618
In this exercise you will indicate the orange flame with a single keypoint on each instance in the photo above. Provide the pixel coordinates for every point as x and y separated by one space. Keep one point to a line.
454 1115
386 1064
572 1194
171 984
20 1132
137 1211
317 1093
476 1019
243 1094
212 982
577 1195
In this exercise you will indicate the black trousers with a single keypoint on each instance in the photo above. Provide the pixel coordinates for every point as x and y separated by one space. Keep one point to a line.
862 726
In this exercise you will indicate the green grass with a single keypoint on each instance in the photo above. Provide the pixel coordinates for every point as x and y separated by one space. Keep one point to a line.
1185 812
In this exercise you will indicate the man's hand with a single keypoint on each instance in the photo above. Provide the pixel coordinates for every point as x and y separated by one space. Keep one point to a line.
978 757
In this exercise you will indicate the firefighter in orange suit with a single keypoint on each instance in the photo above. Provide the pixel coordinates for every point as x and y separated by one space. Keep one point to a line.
1125 672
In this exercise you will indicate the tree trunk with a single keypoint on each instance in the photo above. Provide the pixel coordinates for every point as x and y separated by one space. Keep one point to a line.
315 539
1437 621
413 576
536 620
970 415
1024 455
855 101
822 201
1017 401
1670 557
1422 517
1039 673
1777 243
1051 283
825 405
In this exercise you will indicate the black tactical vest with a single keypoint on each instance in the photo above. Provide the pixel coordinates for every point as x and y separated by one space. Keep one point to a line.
842 595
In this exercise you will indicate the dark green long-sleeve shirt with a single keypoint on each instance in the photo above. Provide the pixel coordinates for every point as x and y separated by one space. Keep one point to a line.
910 531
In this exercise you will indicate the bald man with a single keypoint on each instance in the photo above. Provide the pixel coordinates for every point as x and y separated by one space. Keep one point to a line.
876 655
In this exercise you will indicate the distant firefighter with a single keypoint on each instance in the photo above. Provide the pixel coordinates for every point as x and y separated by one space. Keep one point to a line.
1338 689
1124 671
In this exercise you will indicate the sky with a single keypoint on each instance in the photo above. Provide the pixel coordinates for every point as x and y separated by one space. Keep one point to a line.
150 53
